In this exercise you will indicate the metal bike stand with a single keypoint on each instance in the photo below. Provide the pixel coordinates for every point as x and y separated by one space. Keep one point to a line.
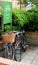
8 51
2 50
18 52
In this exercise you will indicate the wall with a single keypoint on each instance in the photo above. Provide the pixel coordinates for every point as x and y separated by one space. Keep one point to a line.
32 38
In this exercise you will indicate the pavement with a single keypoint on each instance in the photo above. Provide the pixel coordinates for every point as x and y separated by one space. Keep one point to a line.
30 57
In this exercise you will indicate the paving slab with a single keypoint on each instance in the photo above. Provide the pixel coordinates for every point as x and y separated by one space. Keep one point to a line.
35 61
30 56
33 64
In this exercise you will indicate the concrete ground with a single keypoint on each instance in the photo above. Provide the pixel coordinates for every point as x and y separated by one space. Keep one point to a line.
30 56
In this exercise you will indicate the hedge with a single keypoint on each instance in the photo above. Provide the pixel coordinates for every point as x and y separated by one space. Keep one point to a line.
32 24
19 18
24 20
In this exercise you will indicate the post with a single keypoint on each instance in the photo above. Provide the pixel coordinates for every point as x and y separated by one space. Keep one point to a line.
20 4
7 12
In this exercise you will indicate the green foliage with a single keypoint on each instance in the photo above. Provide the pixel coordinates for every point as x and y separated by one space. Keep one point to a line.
35 9
0 11
0 31
32 24
16 28
7 28
36 1
19 18
23 20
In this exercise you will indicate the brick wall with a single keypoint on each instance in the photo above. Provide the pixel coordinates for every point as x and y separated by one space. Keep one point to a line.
4 61
32 39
